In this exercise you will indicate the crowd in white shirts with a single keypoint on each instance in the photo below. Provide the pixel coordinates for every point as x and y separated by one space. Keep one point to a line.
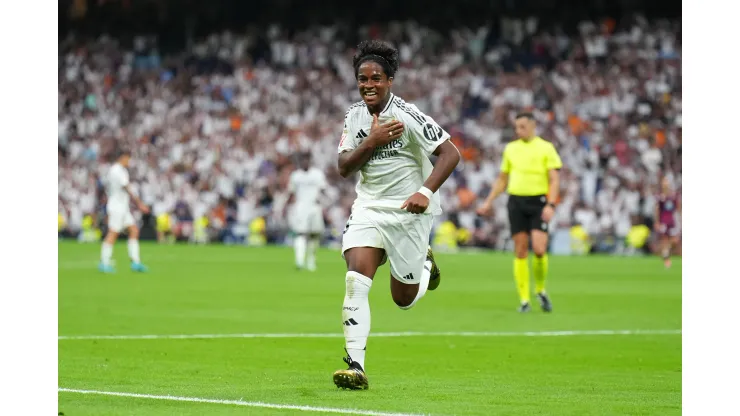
214 130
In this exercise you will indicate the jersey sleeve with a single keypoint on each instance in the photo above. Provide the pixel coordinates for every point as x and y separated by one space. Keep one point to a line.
506 161
347 141
423 129
553 159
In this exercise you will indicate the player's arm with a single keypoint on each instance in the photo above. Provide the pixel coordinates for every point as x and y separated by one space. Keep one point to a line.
139 203
447 159
353 155
291 195
433 140
553 165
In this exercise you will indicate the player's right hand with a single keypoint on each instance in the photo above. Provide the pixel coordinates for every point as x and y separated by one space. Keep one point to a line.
485 209
144 209
382 134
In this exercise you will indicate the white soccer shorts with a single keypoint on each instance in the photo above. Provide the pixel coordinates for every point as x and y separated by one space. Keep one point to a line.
307 219
404 237
120 220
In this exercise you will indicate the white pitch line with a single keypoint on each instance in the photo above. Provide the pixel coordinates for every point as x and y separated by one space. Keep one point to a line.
237 403
381 334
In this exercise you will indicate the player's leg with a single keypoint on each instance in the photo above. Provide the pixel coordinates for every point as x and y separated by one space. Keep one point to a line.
314 238
540 265
300 243
362 248
311 246
115 225
362 262
521 269
106 251
520 225
411 261
133 248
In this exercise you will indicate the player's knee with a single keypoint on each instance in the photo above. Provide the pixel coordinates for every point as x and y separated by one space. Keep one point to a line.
404 296
539 251
521 251
133 232
403 300
111 237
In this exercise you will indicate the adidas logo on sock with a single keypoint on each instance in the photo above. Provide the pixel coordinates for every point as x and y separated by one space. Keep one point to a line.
350 322
361 134
409 276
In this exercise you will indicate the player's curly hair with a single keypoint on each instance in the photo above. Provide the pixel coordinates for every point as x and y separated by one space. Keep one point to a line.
378 51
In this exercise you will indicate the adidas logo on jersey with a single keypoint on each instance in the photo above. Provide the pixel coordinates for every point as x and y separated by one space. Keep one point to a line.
361 134
409 276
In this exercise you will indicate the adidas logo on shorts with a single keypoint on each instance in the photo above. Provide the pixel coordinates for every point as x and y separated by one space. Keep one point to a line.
361 134
409 276
350 322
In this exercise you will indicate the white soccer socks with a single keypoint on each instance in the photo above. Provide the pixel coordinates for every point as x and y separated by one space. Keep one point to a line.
356 315
313 244
106 252
299 244
423 284
133 250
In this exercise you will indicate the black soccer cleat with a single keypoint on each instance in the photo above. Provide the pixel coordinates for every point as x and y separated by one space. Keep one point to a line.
545 303
524 308
352 378
435 276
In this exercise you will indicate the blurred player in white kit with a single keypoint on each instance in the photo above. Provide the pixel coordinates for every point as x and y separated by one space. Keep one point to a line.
306 219
119 215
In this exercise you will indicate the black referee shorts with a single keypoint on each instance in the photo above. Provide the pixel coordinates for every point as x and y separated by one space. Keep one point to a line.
525 213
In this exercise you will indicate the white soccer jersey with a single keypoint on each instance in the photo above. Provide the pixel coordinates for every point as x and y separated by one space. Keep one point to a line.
117 180
307 186
397 170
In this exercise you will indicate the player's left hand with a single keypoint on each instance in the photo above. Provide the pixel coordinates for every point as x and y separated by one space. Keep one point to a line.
547 213
416 204
144 209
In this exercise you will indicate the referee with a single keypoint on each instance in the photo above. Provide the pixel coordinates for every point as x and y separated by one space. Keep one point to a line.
529 174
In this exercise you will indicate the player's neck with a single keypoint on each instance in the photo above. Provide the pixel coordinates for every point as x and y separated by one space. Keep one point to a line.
527 139
377 109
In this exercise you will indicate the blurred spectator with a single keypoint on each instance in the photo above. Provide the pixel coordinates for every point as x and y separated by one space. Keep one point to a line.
214 127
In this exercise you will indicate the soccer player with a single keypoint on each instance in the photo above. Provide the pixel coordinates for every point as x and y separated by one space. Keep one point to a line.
530 175
119 215
305 187
665 220
389 142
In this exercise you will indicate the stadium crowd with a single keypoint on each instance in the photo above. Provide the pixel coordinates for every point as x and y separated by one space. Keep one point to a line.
214 129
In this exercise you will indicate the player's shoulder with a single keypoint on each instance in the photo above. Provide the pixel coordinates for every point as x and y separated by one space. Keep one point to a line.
545 143
355 109
409 112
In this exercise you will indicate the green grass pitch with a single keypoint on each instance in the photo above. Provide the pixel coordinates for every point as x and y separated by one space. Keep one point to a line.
239 290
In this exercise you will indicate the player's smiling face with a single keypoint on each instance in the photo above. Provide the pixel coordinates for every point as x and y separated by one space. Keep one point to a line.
373 83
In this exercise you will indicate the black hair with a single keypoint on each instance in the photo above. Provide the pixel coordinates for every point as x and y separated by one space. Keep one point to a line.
378 51
526 115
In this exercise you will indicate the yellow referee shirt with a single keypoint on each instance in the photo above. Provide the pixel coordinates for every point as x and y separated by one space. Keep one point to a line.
528 164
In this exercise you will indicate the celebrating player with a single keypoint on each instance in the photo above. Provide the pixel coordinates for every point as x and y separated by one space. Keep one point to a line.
307 220
389 142
119 215
529 173
665 220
